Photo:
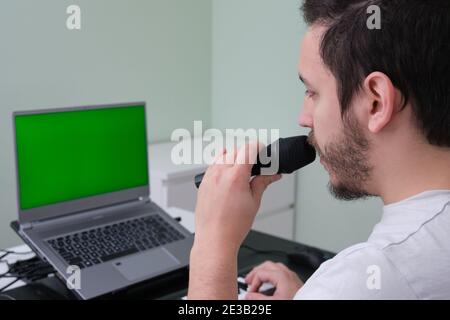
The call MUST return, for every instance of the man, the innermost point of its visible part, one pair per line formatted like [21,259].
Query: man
[378,106]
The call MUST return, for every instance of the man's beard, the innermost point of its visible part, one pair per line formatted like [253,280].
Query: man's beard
[347,160]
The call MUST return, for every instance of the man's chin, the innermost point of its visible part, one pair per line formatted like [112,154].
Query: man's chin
[334,178]
[346,193]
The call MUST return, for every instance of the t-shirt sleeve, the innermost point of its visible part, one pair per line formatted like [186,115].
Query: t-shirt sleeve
[362,272]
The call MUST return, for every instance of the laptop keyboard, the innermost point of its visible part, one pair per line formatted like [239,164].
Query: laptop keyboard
[98,245]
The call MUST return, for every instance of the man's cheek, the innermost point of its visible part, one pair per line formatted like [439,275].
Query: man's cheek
[321,134]
[328,126]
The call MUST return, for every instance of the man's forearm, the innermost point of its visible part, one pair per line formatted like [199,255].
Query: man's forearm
[213,272]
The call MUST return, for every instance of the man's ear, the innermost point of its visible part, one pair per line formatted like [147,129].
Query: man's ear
[382,96]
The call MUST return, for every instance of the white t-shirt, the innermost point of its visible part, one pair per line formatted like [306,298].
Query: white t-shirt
[407,256]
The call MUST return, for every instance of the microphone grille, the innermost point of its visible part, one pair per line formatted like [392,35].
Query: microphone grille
[295,153]
[292,153]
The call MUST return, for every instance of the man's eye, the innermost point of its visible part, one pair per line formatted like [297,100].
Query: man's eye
[310,93]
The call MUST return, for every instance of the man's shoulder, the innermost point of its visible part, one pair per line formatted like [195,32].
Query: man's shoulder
[417,267]
[423,257]
[400,229]
[407,260]
[360,258]
[362,271]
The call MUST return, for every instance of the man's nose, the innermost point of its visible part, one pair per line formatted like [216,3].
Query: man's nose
[305,118]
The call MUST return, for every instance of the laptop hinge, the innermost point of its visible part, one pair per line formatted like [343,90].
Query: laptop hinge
[26,225]
[145,199]
[31,225]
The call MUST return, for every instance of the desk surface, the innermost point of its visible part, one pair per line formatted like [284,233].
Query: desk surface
[174,285]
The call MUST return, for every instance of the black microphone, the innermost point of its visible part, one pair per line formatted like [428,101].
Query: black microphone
[292,153]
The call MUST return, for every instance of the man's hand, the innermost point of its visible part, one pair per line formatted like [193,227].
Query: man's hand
[227,203]
[286,282]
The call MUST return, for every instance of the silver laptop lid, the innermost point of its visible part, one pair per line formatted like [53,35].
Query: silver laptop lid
[80,158]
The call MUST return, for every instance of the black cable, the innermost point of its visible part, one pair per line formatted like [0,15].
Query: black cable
[27,270]
[8,297]
[32,270]
[39,273]
[274,252]
[7,268]
[8,285]
[28,276]
[24,266]
[8,252]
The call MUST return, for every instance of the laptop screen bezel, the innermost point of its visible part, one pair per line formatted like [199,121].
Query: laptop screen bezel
[87,203]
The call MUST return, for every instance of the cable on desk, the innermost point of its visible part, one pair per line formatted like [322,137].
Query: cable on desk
[310,257]
[7,268]
[8,285]
[14,252]
[8,297]
[27,270]
[7,253]
[8,265]
[31,269]
[274,252]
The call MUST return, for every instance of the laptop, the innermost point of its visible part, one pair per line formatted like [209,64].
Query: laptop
[83,198]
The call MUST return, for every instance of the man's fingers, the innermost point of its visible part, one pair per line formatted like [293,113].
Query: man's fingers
[255,284]
[220,157]
[260,183]
[271,276]
[231,155]
[267,265]
[247,157]
[257,296]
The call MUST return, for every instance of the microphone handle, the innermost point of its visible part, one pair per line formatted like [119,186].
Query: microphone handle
[293,153]
[199,177]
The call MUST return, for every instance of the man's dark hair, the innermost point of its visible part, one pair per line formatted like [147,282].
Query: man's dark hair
[412,48]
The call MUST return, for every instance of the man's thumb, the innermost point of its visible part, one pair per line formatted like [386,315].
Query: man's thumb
[260,183]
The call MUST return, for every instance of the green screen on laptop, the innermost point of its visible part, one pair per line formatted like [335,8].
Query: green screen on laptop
[63,156]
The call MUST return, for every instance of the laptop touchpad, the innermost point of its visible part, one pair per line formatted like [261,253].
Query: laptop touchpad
[146,264]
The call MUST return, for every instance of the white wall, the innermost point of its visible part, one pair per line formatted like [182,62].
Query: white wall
[255,52]
[255,85]
[162,51]
[152,50]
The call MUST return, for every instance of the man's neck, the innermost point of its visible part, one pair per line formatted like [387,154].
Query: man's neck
[411,172]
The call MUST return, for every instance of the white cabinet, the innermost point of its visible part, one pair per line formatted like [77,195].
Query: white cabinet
[279,224]
[172,185]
